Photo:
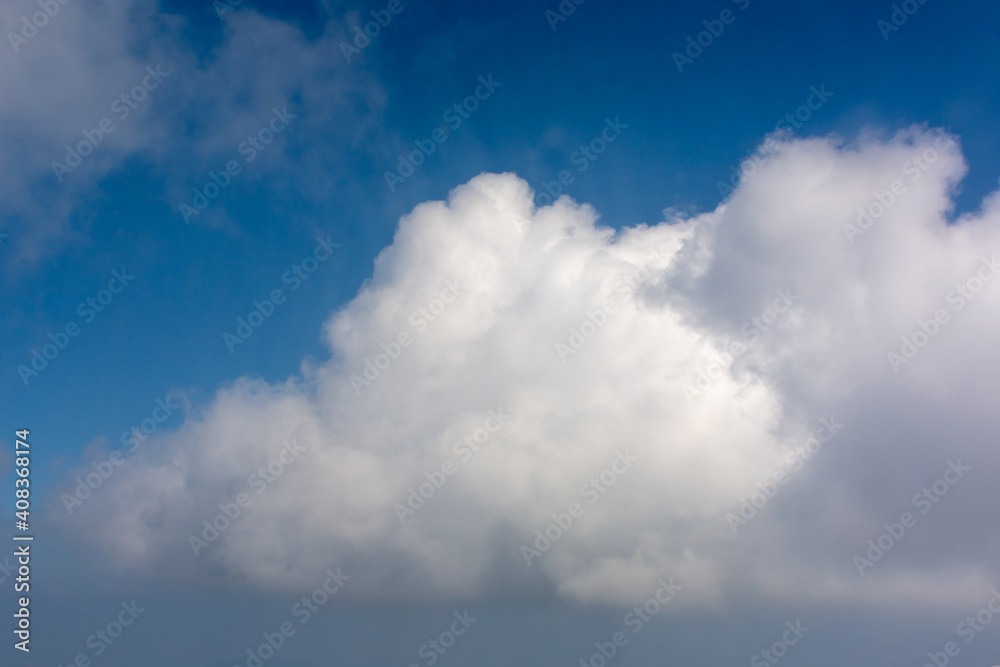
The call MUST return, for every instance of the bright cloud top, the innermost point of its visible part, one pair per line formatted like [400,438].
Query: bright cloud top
[520,401]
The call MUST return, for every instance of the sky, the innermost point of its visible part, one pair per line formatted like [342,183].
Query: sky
[531,333]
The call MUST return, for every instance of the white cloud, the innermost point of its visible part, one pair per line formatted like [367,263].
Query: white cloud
[526,277]
[67,78]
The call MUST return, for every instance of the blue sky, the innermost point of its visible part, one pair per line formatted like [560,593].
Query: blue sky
[343,125]
[686,131]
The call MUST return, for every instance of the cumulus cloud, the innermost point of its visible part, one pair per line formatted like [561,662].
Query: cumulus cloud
[508,362]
